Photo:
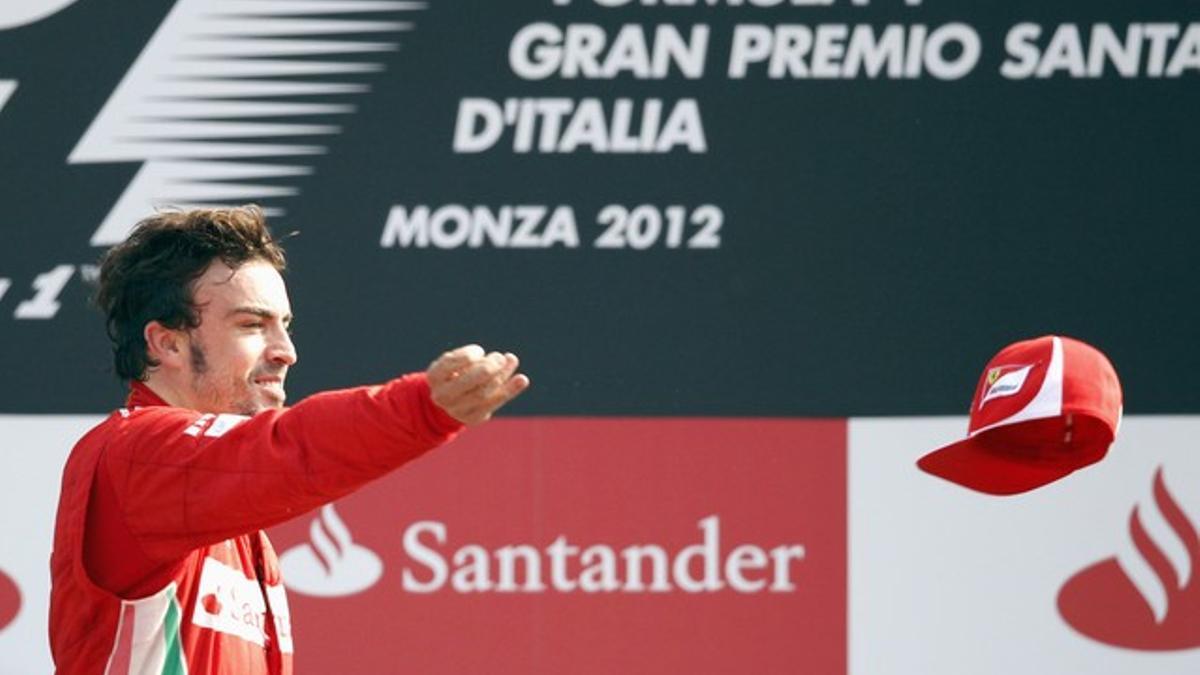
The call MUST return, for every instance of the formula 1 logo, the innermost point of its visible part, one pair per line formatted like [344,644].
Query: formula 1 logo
[1150,599]
[210,106]
[226,104]
[10,600]
[330,564]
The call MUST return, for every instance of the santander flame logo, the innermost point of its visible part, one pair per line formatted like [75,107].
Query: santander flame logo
[10,600]
[331,564]
[1150,598]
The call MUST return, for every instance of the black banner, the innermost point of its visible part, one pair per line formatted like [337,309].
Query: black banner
[800,208]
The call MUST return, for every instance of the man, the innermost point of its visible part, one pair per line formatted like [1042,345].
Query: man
[160,563]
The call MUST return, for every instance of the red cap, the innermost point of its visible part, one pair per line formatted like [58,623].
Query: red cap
[1042,409]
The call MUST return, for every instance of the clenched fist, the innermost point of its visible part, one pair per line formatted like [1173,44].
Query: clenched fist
[470,385]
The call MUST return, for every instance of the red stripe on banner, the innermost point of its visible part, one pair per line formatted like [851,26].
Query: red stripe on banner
[739,526]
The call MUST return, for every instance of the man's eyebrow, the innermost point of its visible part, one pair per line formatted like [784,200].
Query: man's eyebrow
[262,312]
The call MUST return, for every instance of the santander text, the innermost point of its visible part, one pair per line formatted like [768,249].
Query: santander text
[564,567]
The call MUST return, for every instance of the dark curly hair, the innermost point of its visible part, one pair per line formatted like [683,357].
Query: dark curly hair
[151,275]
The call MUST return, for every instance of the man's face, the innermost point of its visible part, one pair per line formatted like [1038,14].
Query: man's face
[240,353]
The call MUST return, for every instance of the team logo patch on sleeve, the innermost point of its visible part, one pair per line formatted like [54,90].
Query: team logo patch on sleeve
[214,426]
[223,423]
[199,425]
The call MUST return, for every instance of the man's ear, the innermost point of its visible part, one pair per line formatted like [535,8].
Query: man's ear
[165,346]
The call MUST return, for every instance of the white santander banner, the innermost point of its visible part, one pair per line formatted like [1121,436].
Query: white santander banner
[1096,573]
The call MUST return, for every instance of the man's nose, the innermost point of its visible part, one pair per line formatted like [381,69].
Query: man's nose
[282,351]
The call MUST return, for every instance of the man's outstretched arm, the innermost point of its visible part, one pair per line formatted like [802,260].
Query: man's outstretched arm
[181,480]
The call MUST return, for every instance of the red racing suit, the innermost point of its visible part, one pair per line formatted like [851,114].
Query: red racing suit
[160,564]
